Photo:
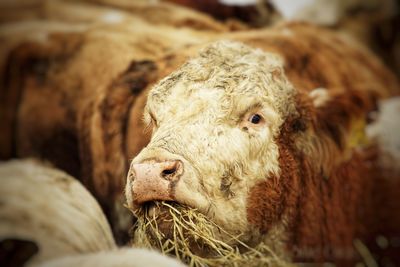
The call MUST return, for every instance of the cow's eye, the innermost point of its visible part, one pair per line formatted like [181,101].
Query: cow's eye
[255,118]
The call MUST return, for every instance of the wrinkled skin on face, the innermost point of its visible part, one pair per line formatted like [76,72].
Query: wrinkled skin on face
[219,115]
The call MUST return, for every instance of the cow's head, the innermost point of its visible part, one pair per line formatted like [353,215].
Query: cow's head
[214,123]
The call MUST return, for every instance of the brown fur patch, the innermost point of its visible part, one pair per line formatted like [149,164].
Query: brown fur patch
[269,199]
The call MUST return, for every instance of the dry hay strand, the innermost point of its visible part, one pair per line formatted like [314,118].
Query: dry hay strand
[191,237]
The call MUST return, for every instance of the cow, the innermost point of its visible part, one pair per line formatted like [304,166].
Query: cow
[74,95]
[264,134]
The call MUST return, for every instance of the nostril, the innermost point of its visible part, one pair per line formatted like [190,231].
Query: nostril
[168,171]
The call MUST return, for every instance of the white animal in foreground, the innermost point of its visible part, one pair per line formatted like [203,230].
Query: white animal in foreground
[51,209]
[50,219]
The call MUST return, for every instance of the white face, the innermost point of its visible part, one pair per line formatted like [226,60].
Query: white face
[219,115]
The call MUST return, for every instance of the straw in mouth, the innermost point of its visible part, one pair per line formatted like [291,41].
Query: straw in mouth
[190,236]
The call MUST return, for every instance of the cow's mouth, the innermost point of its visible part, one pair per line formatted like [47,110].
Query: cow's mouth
[164,224]
[157,214]
[189,235]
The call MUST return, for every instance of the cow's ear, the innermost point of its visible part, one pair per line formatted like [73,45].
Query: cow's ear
[343,114]
[348,103]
